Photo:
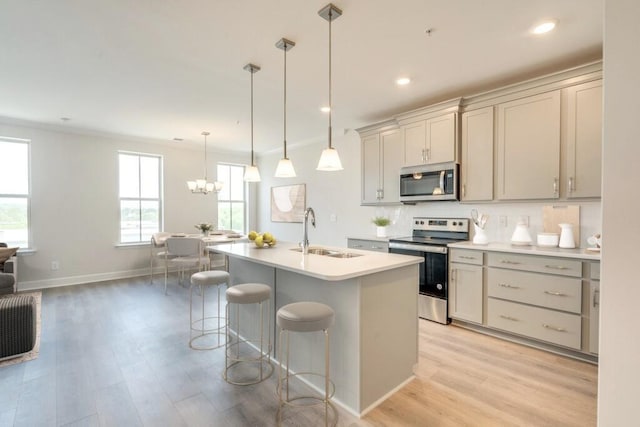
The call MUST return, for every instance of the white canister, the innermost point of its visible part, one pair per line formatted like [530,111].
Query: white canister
[567,240]
[480,236]
[381,231]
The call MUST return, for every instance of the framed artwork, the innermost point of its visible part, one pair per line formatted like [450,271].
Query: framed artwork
[288,203]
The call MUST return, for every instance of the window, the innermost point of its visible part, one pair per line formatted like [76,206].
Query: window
[140,196]
[14,192]
[231,199]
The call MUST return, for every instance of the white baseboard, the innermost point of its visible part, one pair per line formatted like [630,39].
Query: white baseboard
[80,280]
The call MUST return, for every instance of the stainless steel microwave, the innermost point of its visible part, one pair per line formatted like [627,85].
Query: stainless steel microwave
[433,182]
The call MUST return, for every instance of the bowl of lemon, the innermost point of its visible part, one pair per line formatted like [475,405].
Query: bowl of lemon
[262,240]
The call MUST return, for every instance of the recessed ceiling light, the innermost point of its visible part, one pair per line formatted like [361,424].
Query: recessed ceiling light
[403,81]
[65,119]
[178,139]
[544,27]
[325,109]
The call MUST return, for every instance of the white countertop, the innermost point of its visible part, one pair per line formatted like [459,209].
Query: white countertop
[529,250]
[318,266]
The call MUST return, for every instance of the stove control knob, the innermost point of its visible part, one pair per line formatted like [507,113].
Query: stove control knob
[455,223]
[439,286]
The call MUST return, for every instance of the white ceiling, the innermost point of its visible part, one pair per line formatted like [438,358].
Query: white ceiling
[172,68]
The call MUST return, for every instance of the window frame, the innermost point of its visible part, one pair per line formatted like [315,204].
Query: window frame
[159,199]
[245,195]
[26,196]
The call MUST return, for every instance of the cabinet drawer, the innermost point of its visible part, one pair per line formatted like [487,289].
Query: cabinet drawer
[466,256]
[560,293]
[369,245]
[539,323]
[540,264]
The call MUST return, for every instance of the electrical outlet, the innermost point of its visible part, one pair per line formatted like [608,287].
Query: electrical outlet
[333,218]
[55,265]
[524,219]
[503,220]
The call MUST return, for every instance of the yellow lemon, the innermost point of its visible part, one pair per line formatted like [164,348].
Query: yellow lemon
[252,235]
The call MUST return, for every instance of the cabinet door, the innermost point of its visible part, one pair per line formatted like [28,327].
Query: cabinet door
[465,292]
[414,137]
[392,156]
[441,139]
[371,169]
[584,140]
[529,147]
[477,155]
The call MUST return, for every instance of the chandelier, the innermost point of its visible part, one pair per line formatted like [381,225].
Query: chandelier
[202,186]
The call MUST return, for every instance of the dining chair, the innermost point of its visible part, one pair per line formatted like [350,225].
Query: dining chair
[184,253]
[157,250]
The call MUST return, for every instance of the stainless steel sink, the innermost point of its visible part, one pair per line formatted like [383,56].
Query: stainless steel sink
[344,255]
[316,251]
[327,252]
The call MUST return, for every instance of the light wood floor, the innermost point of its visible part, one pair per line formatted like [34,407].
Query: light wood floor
[116,354]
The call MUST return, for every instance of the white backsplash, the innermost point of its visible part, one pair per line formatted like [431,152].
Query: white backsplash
[401,217]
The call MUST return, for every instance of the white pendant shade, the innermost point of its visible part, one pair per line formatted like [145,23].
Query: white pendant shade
[285,169]
[251,174]
[329,161]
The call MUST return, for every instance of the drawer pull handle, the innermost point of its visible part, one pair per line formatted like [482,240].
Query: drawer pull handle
[376,247]
[557,294]
[506,261]
[596,298]
[513,319]
[557,267]
[506,285]
[553,328]
[467,257]
[356,246]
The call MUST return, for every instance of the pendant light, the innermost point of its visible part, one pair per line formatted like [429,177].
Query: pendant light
[285,167]
[202,186]
[251,172]
[329,160]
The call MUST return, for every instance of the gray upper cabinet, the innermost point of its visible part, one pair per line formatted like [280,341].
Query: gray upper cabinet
[528,147]
[430,141]
[382,157]
[583,133]
[477,155]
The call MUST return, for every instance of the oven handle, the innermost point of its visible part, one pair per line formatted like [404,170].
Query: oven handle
[419,248]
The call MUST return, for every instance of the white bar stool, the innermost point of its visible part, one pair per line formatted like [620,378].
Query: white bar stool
[305,317]
[205,279]
[244,294]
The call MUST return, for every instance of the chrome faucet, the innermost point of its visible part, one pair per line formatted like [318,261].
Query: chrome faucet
[305,236]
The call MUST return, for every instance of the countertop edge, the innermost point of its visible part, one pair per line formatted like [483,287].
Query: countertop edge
[227,249]
[529,250]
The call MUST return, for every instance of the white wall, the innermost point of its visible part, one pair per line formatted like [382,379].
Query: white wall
[338,193]
[75,208]
[619,373]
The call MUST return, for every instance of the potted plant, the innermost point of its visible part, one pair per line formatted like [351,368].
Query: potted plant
[381,223]
[205,228]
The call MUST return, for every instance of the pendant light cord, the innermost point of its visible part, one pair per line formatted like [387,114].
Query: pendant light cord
[330,104]
[252,162]
[285,100]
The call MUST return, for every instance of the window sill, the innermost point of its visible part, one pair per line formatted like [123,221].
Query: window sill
[132,245]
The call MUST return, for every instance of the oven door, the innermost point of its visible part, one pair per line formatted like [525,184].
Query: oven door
[435,282]
[433,271]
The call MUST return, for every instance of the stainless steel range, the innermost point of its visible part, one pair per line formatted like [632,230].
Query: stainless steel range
[429,239]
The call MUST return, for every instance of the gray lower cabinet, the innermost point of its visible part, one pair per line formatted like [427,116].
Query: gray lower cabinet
[543,299]
[465,285]
[368,245]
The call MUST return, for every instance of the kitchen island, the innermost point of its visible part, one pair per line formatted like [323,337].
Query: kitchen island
[374,342]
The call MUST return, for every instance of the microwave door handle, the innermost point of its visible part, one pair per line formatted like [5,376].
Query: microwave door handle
[442,180]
